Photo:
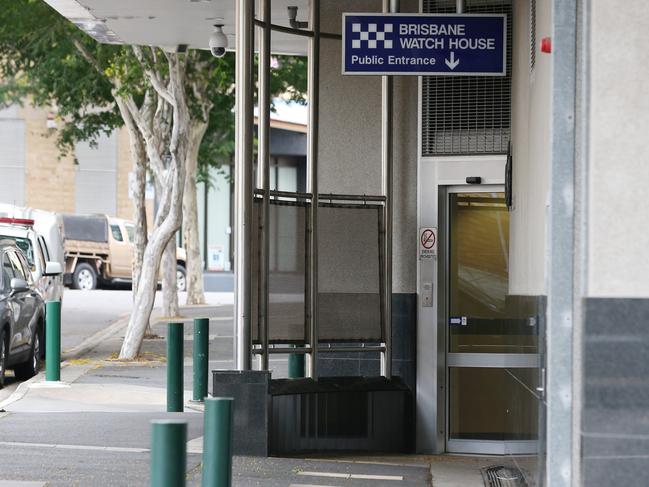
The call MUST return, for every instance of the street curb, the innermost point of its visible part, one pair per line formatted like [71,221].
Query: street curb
[21,390]
[92,341]
[86,346]
[116,327]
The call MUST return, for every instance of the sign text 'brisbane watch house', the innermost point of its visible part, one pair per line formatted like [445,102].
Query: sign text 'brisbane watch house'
[424,44]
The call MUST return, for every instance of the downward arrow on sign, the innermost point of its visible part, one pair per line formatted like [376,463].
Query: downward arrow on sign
[452,63]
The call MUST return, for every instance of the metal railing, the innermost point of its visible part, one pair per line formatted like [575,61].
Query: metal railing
[245,194]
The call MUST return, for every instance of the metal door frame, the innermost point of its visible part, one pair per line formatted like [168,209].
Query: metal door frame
[469,360]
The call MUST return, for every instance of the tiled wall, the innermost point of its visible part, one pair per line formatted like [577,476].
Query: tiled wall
[404,341]
[615,418]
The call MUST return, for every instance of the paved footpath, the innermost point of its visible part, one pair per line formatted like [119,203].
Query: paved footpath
[94,429]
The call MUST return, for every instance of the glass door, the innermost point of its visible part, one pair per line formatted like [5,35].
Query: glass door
[491,355]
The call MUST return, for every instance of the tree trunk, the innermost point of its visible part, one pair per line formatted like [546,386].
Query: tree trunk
[170,307]
[145,294]
[170,214]
[141,237]
[139,158]
[194,267]
[139,211]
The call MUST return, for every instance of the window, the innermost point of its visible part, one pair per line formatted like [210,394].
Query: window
[117,233]
[41,255]
[44,249]
[16,265]
[7,272]
[25,245]
[130,231]
[22,261]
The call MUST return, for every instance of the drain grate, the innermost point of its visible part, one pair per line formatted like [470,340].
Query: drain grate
[501,476]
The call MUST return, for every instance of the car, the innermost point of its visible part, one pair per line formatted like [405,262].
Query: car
[99,250]
[22,315]
[46,271]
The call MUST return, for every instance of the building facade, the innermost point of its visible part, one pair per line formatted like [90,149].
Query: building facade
[33,174]
[525,334]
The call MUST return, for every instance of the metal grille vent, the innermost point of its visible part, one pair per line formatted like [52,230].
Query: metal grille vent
[468,114]
[500,476]
[532,34]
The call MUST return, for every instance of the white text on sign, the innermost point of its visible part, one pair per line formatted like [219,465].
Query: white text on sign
[428,41]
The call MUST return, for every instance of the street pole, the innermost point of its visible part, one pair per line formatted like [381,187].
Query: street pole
[168,453]
[217,442]
[53,341]
[201,358]
[243,183]
[312,183]
[175,341]
[387,175]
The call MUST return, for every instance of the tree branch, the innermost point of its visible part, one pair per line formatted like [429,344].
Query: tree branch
[85,53]
[153,76]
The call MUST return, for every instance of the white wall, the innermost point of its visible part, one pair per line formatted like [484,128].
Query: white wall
[12,157]
[618,214]
[96,177]
[531,110]
[218,215]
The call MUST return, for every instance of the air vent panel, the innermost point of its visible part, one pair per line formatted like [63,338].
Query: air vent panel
[468,114]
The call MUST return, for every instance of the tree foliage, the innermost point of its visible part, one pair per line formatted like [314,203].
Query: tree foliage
[40,62]
[178,110]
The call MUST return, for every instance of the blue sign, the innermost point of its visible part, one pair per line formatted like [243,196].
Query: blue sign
[425,44]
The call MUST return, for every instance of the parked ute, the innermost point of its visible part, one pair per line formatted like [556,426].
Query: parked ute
[99,249]
[22,315]
[45,271]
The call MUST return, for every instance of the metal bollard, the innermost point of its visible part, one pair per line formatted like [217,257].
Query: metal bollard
[295,365]
[201,357]
[53,341]
[175,369]
[217,442]
[168,453]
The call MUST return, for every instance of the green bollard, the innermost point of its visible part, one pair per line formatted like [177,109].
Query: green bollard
[168,453]
[295,365]
[175,369]
[217,442]
[201,356]
[53,341]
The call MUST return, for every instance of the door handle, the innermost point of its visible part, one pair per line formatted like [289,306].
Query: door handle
[541,388]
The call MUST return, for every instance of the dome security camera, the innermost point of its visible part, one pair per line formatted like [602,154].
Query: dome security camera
[218,41]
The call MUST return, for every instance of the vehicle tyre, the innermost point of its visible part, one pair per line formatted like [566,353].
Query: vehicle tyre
[181,278]
[85,277]
[29,369]
[3,356]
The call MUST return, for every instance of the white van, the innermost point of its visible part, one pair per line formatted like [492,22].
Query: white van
[39,234]
[46,223]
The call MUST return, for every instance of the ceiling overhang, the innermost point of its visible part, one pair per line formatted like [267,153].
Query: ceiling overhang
[171,23]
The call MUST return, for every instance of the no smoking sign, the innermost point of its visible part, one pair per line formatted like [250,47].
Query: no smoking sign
[427,242]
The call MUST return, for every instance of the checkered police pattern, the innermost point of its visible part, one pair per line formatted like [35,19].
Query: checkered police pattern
[371,37]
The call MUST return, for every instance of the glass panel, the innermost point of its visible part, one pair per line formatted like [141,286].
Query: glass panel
[349,273]
[130,231]
[480,321]
[24,244]
[492,404]
[7,272]
[286,273]
[117,233]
